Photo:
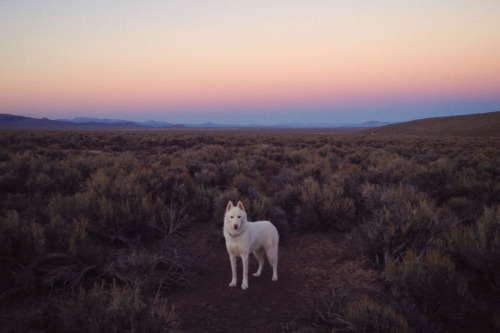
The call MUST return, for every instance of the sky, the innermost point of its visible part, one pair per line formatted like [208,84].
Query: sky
[249,62]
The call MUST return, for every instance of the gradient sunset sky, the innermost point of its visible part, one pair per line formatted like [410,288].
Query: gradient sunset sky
[244,62]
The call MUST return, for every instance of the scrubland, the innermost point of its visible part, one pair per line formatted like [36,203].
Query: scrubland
[89,218]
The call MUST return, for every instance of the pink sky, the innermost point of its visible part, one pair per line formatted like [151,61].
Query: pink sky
[288,60]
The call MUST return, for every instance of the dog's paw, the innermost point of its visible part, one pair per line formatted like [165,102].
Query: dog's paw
[275,278]
[257,274]
[244,286]
[232,284]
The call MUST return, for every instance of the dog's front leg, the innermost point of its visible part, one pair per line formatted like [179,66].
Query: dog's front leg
[244,259]
[234,279]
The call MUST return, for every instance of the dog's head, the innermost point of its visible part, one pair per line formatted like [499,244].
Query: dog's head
[235,217]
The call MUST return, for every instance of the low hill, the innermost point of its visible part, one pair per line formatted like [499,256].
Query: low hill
[480,125]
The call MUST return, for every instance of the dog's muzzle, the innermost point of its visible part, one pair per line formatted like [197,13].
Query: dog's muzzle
[235,226]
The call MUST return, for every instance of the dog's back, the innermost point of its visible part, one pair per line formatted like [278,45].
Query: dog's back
[264,234]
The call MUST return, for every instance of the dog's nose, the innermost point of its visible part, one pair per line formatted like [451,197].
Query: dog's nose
[235,226]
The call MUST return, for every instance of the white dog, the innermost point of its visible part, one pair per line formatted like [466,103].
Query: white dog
[243,237]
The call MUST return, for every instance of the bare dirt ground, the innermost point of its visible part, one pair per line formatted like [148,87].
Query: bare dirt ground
[309,265]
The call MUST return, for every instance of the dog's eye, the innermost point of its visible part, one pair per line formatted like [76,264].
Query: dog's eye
[239,217]
[232,217]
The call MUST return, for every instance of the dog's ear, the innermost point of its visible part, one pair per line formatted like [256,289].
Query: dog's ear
[229,206]
[240,206]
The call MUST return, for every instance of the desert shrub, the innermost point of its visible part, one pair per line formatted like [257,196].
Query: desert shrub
[177,184]
[116,206]
[336,205]
[311,193]
[162,317]
[158,272]
[214,153]
[173,218]
[478,248]
[17,175]
[429,285]
[114,308]
[325,206]
[401,218]
[464,208]
[295,157]
[365,315]
[353,178]
[207,175]
[203,208]
[327,307]
[245,185]
[238,165]
[287,199]
[473,184]
[392,169]
[67,236]
[59,270]
[343,311]
[21,241]
[317,168]
[434,178]
[260,209]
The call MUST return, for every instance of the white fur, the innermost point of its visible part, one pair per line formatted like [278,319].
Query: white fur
[243,237]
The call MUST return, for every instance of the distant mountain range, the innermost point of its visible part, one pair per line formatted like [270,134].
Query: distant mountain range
[8,121]
[479,125]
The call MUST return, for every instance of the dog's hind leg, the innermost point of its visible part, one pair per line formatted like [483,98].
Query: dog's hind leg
[259,254]
[244,259]
[272,255]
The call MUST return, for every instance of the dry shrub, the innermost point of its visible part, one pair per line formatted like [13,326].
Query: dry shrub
[478,248]
[158,272]
[60,270]
[69,237]
[429,286]
[287,199]
[203,207]
[177,184]
[340,310]
[434,178]
[115,308]
[326,308]
[401,218]
[244,184]
[325,206]
[392,169]
[115,205]
[207,175]
[20,240]
[173,218]
[463,207]
[261,209]
[366,315]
